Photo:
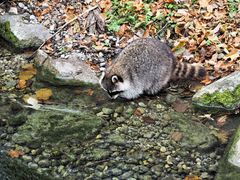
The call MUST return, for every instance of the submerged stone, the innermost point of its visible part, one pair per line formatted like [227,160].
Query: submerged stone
[61,71]
[56,127]
[20,33]
[223,94]
[14,169]
[194,134]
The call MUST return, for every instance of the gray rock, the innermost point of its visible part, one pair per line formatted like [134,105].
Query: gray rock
[116,172]
[107,111]
[71,71]
[13,10]
[55,126]
[126,175]
[116,139]
[44,163]
[222,94]
[27,158]
[21,34]
[229,167]
[195,135]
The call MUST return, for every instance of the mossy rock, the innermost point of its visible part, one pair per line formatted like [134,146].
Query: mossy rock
[223,94]
[15,169]
[55,127]
[195,134]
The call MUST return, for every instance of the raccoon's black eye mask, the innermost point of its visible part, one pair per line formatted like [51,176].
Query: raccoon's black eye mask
[114,93]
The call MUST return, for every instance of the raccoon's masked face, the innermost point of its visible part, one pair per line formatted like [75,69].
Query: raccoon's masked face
[113,84]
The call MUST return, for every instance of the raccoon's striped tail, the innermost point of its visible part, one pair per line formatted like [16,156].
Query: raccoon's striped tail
[188,71]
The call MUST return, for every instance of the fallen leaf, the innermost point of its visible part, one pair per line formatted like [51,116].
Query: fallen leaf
[123,28]
[27,72]
[192,177]
[222,120]
[90,92]
[222,136]
[148,120]
[43,94]
[176,136]
[207,80]
[138,112]
[179,46]
[233,55]
[105,5]
[22,84]
[15,153]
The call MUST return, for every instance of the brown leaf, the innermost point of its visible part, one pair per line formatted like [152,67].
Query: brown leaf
[176,136]
[122,30]
[207,80]
[22,84]
[90,92]
[222,120]
[234,54]
[192,177]
[15,153]
[43,94]
[223,136]
[105,5]
[148,120]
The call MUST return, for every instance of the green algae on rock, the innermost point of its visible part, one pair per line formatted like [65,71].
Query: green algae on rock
[56,127]
[14,169]
[223,94]
[22,35]
[195,135]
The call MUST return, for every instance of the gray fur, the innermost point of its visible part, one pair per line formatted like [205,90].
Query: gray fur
[145,66]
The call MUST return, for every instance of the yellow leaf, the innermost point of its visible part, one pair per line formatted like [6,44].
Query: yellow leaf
[22,84]
[234,54]
[28,71]
[43,94]
[15,153]
[179,46]
[192,177]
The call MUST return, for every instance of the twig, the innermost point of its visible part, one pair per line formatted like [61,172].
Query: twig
[61,28]
[163,28]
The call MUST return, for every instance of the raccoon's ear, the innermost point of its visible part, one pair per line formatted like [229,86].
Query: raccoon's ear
[114,79]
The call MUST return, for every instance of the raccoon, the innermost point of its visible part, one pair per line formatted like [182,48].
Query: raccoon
[145,66]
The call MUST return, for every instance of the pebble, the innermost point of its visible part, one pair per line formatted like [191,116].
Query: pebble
[126,175]
[27,158]
[32,165]
[116,171]
[21,5]
[141,104]
[13,10]
[107,111]
[163,149]
[204,175]
[44,163]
